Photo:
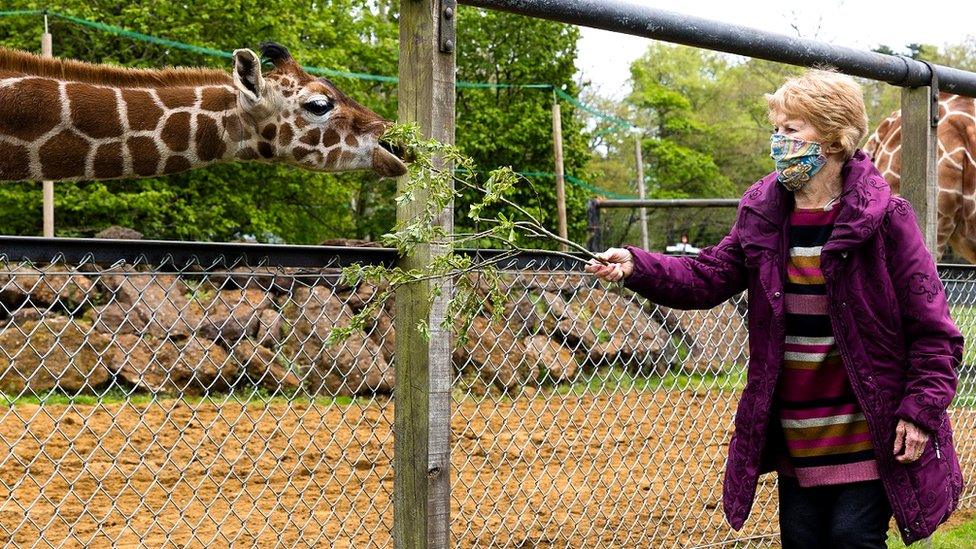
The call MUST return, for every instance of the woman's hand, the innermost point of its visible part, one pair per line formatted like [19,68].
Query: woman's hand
[619,265]
[912,439]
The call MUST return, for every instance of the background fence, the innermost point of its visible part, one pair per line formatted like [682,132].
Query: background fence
[184,395]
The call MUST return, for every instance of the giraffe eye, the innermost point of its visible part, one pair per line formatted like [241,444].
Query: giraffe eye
[318,107]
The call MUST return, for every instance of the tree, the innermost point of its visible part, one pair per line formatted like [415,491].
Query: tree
[228,201]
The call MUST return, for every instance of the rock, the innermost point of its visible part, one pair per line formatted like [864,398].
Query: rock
[116,318]
[26,314]
[53,353]
[159,299]
[495,351]
[25,286]
[717,339]
[259,366]
[195,366]
[550,358]
[229,315]
[119,233]
[608,329]
[355,366]
[269,328]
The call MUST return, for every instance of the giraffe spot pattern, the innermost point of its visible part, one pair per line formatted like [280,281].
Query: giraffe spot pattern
[269,132]
[63,156]
[301,152]
[312,137]
[14,162]
[285,135]
[265,149]
[145,155]
[176,132]
[330,137]
[217,99]
[175,164]
[88,113]
[108,161]
[142,112]
[30,108]
[209,144]
[174,98]
[352,141]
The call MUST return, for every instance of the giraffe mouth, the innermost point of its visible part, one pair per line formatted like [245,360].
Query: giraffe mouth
[388,160]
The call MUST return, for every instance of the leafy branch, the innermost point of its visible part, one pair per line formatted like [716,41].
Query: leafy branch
[436,174]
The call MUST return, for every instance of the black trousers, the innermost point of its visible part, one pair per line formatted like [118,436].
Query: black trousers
[841,516]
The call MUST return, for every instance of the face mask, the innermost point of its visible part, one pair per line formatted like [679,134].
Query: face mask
[796,160]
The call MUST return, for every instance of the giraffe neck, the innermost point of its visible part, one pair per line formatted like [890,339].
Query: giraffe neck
[57,130]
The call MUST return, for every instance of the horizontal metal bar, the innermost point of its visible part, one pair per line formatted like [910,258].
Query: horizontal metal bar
[628,18]
[670,203]
[212,255]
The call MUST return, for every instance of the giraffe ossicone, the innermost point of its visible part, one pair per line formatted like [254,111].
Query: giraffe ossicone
[68,120]
[955,168]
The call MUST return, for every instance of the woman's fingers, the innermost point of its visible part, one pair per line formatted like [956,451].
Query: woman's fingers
[910,438]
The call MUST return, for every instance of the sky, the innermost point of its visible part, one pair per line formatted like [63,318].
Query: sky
[605,57]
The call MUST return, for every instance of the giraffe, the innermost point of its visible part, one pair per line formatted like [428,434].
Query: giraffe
[956,169]
[64,120]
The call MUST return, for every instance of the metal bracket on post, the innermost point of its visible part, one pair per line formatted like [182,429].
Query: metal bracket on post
[447,30]
[933,94]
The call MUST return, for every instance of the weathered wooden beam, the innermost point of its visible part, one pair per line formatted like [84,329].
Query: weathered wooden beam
[641,188]
[557,148]
[422,397]
[47,50]
[919,183]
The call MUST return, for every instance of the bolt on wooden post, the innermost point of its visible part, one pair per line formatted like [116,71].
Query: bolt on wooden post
[422,395]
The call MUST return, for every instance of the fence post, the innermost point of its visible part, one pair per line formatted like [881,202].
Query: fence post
[47,50]
[919,182]
[639,138]
[557,148]
[424,371]
[595,241]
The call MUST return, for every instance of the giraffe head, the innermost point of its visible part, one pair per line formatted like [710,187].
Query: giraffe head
[291,116]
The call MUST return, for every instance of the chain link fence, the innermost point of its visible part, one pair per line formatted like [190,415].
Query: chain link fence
[186,396]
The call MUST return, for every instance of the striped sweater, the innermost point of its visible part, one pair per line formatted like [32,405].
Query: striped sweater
[826,435]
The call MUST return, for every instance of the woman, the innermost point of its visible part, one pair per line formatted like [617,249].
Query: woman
[853,354]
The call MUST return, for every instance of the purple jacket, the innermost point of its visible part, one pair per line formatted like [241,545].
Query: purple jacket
[891,323]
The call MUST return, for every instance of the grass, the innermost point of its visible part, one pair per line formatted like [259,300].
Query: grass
[959,537]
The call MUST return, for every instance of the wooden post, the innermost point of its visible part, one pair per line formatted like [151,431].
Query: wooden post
[557,147]
[47,50]
[424,370]
[919,184]
[642,191]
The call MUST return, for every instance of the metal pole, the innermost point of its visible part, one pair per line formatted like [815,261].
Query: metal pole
[645,243]
[47,50]
[670,203]
[649,22]
[424,369]
[557,147]
[919,183]
[595,242]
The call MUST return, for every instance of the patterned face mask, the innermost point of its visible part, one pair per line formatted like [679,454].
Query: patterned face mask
[796,160]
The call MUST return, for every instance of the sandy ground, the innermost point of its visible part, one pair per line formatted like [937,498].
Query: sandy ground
[634,469]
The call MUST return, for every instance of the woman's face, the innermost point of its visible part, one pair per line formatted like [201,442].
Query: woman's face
[800,129]
[795,127]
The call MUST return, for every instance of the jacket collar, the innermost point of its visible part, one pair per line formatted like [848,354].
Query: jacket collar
[765,208]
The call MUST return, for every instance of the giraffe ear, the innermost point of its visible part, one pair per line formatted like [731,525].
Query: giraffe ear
[247,74]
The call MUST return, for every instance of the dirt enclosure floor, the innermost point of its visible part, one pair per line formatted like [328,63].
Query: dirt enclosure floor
[624,469]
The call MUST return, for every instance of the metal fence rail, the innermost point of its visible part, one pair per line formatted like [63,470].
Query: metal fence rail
[195,403]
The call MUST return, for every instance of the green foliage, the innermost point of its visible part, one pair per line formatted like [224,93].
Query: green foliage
[280,203]
[512,126]
[223,202]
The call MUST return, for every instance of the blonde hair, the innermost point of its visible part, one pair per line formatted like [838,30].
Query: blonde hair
[831,102]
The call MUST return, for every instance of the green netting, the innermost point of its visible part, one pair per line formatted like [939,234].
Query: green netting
[619,124]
